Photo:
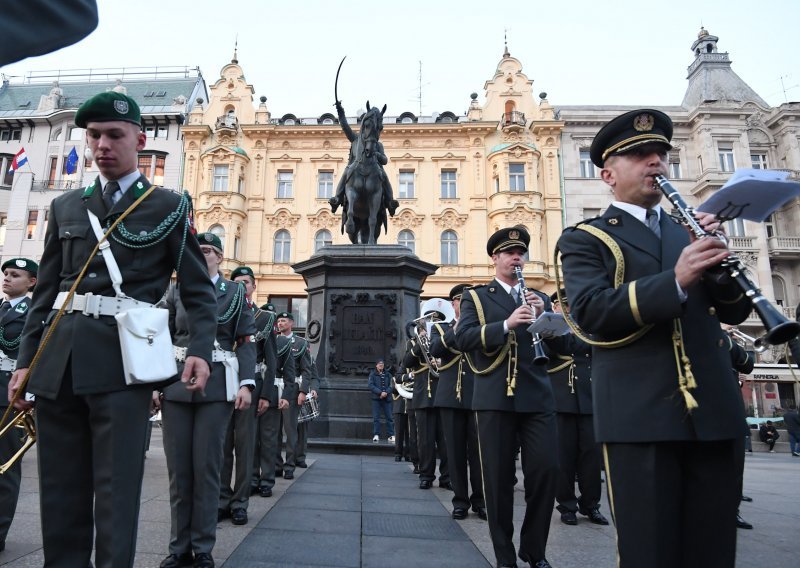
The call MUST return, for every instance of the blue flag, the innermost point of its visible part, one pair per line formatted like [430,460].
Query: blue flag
[72,161]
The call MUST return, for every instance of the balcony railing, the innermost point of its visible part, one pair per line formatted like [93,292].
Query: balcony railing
[784,246]
[54,185]
[742,243]
[513,118]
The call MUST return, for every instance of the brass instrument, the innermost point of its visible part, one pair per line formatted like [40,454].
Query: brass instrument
[759,345]
[779,328]
[405,388]
[428,318]
[23,420]
[539,356]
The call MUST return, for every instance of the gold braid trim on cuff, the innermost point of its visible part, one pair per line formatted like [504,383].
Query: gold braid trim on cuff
[637,317]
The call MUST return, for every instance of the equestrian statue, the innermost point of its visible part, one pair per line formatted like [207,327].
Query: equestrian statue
[364,191]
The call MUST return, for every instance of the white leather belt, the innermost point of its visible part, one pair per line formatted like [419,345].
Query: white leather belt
[260,368]
[217,355]
[96,306]
[299,380]
[7,364]
[279,383]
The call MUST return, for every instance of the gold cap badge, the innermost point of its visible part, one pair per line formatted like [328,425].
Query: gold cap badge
[643,122]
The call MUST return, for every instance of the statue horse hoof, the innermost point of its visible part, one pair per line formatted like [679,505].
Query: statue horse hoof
[392,207]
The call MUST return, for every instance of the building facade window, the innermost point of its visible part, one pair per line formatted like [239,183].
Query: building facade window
[406,186]
[591,212]
[156,131]
[285,185]
[725,153]
[151,166]
[6,175]
[76,133]
[10,134]
[295,305]
[55,135]
[735,227]
[240,186]
[771,225]
[220,181]
[516,177]
[449,184]
[674,166]
[449,248]
[3,225]
[324,184]
[218,230]
[236,249]
[321,239]
[406,238]
[587,167]
[758,161]
[282,252]
[52,172]
[33,218]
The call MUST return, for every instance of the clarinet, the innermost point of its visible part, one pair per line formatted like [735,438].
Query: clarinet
[539,357]
[779,328]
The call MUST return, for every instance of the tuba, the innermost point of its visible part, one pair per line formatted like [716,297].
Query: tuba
[405,388]
[431,309]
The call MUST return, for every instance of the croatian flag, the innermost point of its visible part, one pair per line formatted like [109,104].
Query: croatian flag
[19,160]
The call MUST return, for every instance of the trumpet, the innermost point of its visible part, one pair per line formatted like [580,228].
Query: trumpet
[429,316]
[759,344]
[24,420]
[779,328]
[539,356]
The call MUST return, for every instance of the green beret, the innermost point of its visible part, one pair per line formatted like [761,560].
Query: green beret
[286,315]
[456,291]
[107,107]
[22,264]
[242,271]
[210,239]
[511,237]
[628,131]
[269,307]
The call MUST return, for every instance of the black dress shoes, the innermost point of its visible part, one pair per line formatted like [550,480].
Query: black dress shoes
[446,485]
[288,475]
[543,563]
[459,513]
[416,469]
[569,518]
[203,560]
[741,523]
[223,514]
[481,511]
[507,565]
[397,458]
[747,499]
[265,491]
[595,517]
[239,517]
[278,473]
[301,464]
[425,484]
[177,560]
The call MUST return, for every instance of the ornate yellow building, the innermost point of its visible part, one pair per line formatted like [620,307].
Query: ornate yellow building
[263,183]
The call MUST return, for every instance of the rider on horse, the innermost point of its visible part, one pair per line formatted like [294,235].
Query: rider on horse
[388,197]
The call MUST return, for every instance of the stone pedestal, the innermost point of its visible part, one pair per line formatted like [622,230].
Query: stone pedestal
[359,300]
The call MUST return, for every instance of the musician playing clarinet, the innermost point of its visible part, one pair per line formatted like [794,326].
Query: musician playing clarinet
[512,399]
[665,408]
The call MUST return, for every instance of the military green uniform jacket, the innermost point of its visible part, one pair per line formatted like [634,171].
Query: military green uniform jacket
[235,332]
[486,345]
[266,350]
[455,376]
[636,388]
[287,370]
[301,353]
[10,331]
[89,345]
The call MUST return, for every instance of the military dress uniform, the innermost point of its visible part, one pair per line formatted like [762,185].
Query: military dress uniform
[430,438]
[240,442]
[91,426]
[195,423]
[454,401]
[514,404]
[12,319]
[288,416]
[270,432]
[402,448]
[266,365]
[570,373]
[666,409]
[301,351]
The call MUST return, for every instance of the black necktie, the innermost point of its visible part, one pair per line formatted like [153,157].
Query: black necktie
[515,295]
[108,191]
[652,222]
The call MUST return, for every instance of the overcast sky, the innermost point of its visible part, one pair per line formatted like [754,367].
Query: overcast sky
[578,51]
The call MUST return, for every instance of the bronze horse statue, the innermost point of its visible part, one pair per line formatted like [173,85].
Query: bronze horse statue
[364,189]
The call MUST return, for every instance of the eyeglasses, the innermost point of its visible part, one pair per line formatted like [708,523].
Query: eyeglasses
[207,250]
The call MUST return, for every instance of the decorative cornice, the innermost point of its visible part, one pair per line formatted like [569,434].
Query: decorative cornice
[282,219]
[449,219]
[323,220]
[407,219]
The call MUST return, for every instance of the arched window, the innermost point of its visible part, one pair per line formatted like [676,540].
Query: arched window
[283,247]
[218,230]
[406,238]
[779,290]
[321,239]
[449,248]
